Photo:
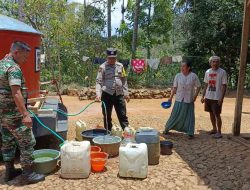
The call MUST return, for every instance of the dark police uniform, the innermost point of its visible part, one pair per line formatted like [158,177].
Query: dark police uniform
[112,86]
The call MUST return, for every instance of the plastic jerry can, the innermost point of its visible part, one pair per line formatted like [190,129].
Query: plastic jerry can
[151,137]
[133,160]
[75,159]
[80,127]
[128,136]
[117,131]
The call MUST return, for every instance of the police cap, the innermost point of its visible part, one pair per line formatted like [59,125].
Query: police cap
[111,52]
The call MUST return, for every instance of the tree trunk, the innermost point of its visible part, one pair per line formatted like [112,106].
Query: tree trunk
[135,31]
[109,22]
[21,14]
[148,30]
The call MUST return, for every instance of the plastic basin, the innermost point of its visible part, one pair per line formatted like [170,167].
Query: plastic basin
[98,161]
[45,160]
[95,149]
[166,105]
[108,144]
[89,135]
[166,147]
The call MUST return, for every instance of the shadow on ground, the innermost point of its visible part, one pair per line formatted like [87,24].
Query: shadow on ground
[219,163]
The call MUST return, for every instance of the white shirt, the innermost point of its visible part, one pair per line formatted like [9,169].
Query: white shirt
[215,79]
[186,87]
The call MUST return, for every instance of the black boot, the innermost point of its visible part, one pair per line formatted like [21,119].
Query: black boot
[31,177]
[11,171]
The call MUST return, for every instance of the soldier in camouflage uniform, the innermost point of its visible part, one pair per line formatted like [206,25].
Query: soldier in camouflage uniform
[16,124]
[112,88]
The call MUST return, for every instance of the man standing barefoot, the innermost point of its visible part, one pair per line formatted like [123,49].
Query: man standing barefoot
[213,94]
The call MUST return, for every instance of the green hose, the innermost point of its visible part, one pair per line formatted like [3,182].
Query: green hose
[78,113]
[74,114]
[66,114]
[40,122]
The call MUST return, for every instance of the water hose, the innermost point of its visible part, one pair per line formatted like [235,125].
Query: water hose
[66,114]
[82,110]
[74,114]
[41,123]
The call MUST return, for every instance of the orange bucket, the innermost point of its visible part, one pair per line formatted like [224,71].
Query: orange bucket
[98,161]
[95,149]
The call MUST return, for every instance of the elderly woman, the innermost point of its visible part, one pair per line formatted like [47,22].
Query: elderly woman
[186,87]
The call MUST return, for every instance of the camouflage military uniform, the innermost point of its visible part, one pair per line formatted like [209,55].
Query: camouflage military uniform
[14,133]
[111,86]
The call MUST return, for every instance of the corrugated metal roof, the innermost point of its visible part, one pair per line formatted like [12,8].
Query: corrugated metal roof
[8,23]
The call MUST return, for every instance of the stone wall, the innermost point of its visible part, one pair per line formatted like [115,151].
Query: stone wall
[89,93]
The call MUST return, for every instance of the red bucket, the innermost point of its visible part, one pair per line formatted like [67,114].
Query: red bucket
[98,161]
[95,149]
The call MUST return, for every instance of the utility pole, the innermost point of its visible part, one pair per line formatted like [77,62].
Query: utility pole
[242,71]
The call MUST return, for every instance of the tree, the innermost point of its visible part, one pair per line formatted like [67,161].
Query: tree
[155,23]
[135,29]
[109,20]
[21,14]
[214,27]
[109,23]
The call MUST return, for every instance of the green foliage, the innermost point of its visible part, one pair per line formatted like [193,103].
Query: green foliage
[162,77]
[214,27]
[195,28]
[155,24]
[70,31]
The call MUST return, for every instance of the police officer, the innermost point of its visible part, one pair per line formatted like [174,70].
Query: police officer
[16,124]
[112,88]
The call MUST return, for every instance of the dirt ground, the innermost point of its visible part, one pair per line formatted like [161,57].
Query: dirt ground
[201,163]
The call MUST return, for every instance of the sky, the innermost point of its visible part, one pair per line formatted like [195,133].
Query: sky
[116,15]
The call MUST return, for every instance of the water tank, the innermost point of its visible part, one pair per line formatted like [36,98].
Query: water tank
[13,30]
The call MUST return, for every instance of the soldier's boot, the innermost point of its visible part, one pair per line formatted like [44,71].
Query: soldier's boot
[11,171]
[30,176]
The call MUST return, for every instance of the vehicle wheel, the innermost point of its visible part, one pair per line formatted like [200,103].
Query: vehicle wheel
[50,141]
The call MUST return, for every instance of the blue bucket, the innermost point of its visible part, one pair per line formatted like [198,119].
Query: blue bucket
[166,105]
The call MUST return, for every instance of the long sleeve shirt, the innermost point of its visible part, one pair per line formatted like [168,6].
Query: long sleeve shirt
[112,79]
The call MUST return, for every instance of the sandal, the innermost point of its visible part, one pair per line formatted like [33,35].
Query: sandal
[190,137]
[217,136]
[212,132]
